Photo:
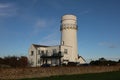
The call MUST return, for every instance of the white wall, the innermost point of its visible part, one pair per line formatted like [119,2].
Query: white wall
[69,35]
[32,58]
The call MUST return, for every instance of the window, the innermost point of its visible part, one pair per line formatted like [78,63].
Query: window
[32,53]
[54,51]
[42,51]
[65,51]
[38,61]
[46,51]
[38,52]
[62,42]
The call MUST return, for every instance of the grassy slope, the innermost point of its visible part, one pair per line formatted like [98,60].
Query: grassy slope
[93,76]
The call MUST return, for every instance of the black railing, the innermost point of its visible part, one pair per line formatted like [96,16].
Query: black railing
[54,55]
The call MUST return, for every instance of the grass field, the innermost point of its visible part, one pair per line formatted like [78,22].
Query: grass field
[92,76]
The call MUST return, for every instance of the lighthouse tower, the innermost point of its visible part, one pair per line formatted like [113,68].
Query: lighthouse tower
[69,35]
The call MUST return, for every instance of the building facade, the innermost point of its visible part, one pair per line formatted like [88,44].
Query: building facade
[66,52]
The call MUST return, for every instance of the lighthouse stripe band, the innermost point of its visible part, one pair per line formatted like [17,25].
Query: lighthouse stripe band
[68,26]
[68,19]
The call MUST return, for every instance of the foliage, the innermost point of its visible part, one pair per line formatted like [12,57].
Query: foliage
[14,61]
[72,64]
[103,62]
[119,61]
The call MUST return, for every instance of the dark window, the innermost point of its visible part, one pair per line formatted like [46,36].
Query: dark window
[32,53]
[65,51]
[42,51]
[38,61]
[54,51]
[46,51]
[38,52]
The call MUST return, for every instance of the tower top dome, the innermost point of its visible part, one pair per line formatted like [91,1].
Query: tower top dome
[69,17]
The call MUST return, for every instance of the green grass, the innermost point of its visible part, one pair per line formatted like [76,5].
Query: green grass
[92,76]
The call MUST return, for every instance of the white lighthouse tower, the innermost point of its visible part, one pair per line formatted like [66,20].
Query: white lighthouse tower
[69,35]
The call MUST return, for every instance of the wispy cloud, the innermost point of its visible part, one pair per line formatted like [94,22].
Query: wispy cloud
[107,44]
[42,26]
[85,12]
[7,9]
[50,39]
[4,5]
[42,23]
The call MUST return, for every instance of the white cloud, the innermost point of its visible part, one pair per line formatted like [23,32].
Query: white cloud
[52,35]
[7,9]
[51,39]
[40,24]
[107,44]
[85,12]
[4,5]
[50,42]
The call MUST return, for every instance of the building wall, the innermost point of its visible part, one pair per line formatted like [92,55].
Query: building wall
[39,53]
[53,50]
[35,59]
[32,57]
[66,56]
[81,60]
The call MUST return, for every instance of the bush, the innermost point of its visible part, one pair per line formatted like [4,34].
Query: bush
[45,65]
[72,64]
[103,62]
[13,61]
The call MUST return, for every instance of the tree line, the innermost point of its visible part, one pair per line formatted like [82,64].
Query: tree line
[104,62]
[14,61]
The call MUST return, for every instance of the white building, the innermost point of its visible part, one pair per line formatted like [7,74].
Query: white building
[66,52]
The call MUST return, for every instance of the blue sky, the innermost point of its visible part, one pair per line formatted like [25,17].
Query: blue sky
[23,22]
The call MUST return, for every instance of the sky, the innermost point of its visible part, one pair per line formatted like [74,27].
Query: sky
[24,22]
